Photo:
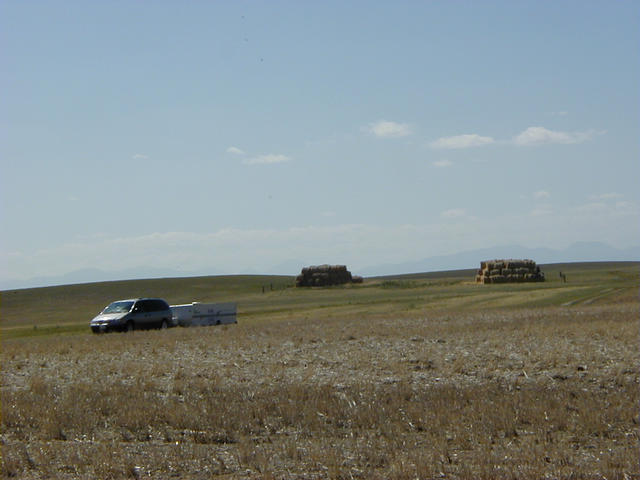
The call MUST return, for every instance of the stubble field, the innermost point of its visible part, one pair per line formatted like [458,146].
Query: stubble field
[414,377]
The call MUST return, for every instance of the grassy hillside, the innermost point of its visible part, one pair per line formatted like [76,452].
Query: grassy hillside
[74,305]
[64,309]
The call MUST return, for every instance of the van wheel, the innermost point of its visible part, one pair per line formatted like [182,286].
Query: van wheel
[129,327]
[164,325]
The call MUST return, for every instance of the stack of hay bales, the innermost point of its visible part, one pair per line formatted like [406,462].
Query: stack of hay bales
[509,271]
[325,275]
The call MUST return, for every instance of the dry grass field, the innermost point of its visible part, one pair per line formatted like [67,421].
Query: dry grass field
[416,377]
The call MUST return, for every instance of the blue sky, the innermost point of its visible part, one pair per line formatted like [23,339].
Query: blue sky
[235,136]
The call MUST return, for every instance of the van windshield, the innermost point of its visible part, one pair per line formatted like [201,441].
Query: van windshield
[118,307]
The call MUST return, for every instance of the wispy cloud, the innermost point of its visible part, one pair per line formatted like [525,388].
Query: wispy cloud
[462,141]
[231,250]
[385,129]
[267,159]
[235,151]
[542,136]
[542,211]
[530,137]
[140,156]
[606,196]
[442,163]
[624,205]
[560,113]
[591,208]
[540,194]
[454,213]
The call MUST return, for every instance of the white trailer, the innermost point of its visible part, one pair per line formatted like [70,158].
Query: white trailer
[199,314]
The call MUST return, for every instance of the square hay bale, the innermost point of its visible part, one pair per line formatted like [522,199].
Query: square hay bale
[513,271]
[324,275]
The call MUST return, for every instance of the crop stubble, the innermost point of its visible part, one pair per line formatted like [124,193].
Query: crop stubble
[525,393]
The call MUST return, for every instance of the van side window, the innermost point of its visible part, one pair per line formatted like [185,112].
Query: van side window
[143,306]
[161,305]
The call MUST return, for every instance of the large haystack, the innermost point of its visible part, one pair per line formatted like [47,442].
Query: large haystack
[325,275]
[509,271]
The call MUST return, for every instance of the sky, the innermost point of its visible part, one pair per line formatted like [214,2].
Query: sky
[231,137]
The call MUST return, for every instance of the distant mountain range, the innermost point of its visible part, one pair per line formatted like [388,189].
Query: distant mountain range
[88,275]
[578,252]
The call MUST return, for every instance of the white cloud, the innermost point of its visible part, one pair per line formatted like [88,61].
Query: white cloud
[442,163]
[235,151]
[592,208]
[624,209]
[462,141]
[385,129]
[529,137]
[140,156]
[541,194]
[542,136]
[267,159]
[542,210]
[606,196]
[233,250]
[561,113]
[454,213]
